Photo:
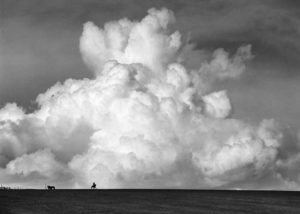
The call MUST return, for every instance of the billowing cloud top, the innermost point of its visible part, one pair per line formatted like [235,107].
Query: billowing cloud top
[146,120]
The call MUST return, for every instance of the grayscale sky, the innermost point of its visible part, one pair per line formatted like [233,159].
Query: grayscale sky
[40,46]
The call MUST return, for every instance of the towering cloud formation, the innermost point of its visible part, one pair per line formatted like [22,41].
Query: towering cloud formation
[146,120]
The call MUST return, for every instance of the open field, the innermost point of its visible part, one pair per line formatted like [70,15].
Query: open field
[148,201]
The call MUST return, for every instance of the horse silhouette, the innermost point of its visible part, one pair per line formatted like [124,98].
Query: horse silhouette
[93,185]
[50,187]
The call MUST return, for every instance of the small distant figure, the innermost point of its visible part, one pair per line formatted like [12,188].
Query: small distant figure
[50,187]
[93,185]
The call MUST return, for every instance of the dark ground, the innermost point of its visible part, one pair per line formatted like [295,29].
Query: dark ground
[148,201]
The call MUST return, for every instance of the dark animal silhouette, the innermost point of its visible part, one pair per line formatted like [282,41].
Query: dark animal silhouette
[51,187]
[93,185]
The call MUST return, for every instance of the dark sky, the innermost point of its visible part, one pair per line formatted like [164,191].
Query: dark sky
[39,45]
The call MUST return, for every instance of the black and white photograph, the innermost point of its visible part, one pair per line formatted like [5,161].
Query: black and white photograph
[149,106]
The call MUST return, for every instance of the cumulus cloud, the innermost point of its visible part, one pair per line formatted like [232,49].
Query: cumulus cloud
[146,120]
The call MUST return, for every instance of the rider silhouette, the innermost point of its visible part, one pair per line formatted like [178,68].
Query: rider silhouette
[93,185]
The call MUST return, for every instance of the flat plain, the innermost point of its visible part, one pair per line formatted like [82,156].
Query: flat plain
[148,201]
